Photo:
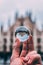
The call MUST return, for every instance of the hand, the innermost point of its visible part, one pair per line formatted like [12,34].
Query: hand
[16,48]
[27,53]
[17,61]
[32,58]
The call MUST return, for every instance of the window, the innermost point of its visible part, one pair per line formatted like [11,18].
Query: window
[38,48]
[31,33]
[12,33]
[5,40]
[11,40]
[11,48]
[21,23]
[4,46]
[38,40]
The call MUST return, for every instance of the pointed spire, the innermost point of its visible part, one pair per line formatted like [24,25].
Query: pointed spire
[30,14]
[42,26]
[16,15]
[2,27]
[27,13]
[9,22]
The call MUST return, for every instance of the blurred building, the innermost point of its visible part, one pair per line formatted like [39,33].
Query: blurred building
[7,39]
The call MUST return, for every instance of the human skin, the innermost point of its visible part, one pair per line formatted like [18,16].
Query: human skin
[26,56]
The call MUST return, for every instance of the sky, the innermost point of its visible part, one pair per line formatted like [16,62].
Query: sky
[9,7]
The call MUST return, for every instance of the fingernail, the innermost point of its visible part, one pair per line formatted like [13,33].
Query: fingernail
[29,62]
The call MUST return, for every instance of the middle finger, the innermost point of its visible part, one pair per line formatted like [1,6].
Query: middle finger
[24,49]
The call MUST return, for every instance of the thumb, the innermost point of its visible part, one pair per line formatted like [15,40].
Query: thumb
[28,56]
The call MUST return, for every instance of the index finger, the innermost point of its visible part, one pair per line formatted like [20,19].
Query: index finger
[16,50]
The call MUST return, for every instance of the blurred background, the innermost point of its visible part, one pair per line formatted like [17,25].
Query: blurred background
[14,13]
